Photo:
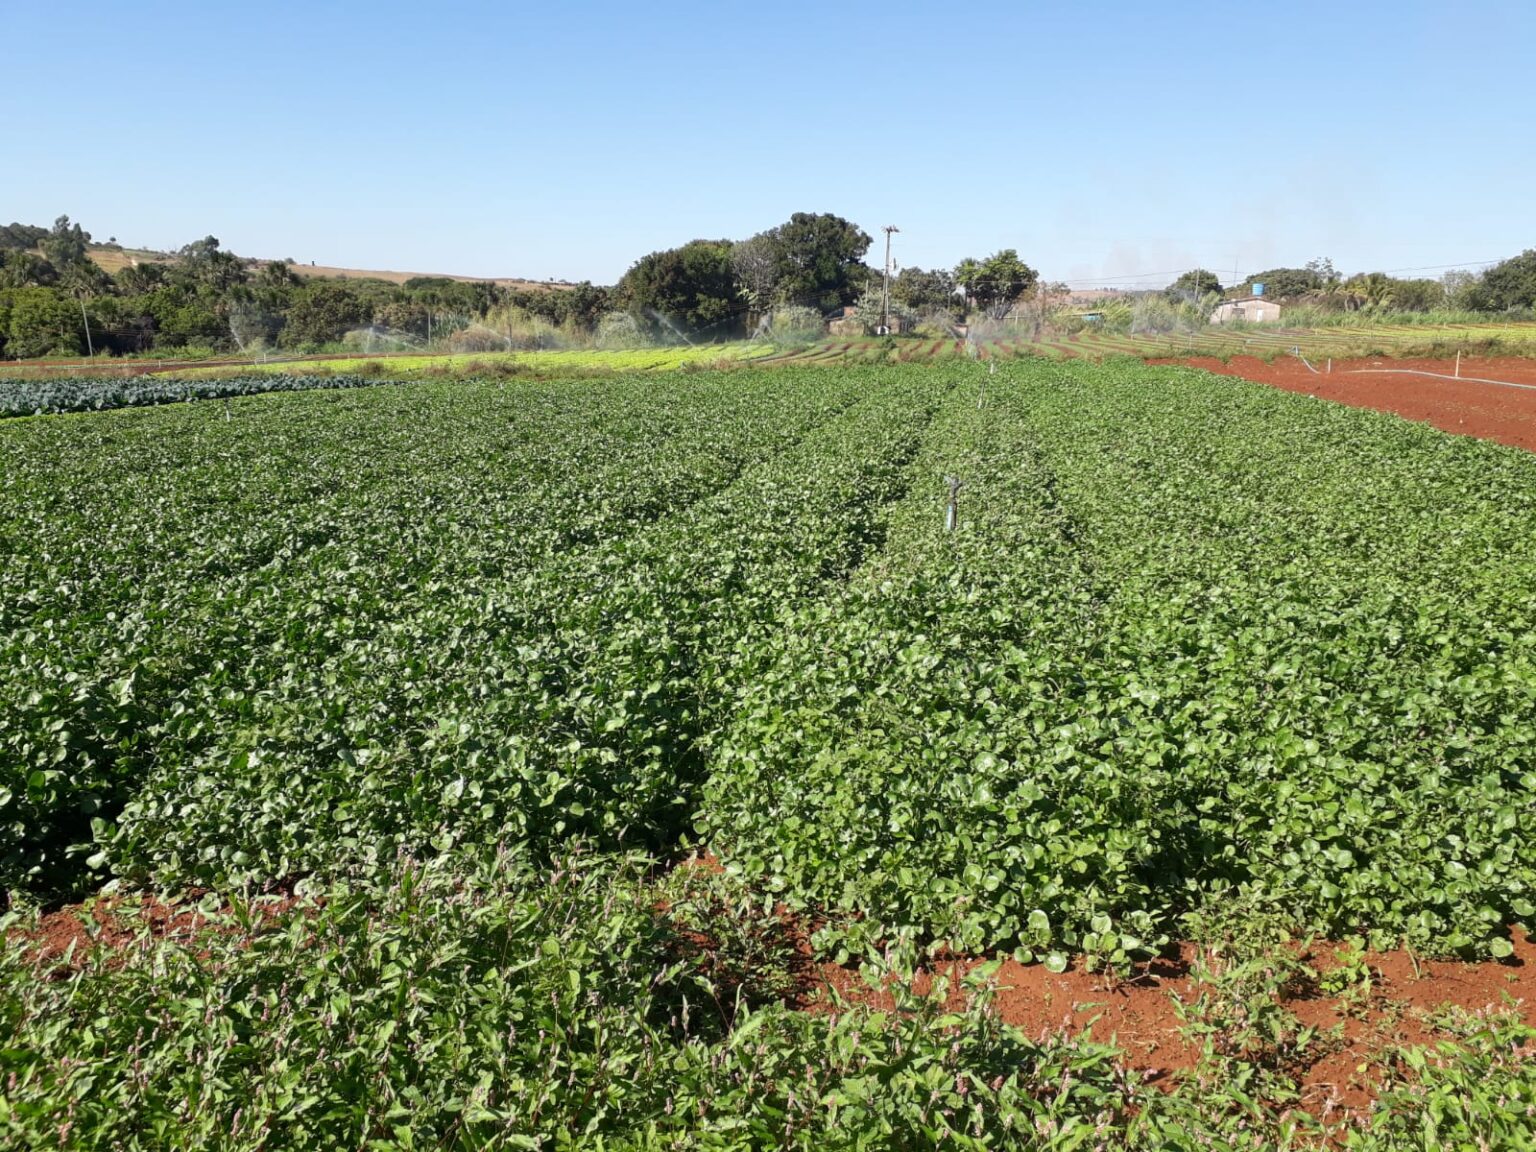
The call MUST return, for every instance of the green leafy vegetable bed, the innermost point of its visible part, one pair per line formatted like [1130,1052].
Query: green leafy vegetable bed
[475,661]
[1191,637]
[82,394]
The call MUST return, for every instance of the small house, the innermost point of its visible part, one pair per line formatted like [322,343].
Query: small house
[845,322]
[1254,309]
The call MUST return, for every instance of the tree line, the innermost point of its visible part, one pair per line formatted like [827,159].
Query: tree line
[1507,287]
[55,299]
[811,263]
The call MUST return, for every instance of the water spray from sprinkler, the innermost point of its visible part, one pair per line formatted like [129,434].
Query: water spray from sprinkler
[657,316]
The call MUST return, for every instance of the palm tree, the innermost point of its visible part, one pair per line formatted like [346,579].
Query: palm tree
[1370,292]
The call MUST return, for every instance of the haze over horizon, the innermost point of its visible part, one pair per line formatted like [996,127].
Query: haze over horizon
[1121,145]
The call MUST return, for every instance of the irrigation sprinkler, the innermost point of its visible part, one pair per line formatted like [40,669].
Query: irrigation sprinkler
[952,505]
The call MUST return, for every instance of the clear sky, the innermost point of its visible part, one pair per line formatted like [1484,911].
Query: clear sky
[1102,140]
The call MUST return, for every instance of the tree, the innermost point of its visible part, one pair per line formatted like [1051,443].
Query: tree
[1462,289]
[179,315]
[1322,267]
[927,292]
[1418,295]
[1194,285]
[21,236]
[1510,284]
[19,269]
[210,266]
[1286,283]
[1369,291]
[43,322]
[870,310]
[994,284]
[278,275]
[756,263]
[139,279]
[819,261]
[693,288]
[323,312]
[65,246]
[584,305]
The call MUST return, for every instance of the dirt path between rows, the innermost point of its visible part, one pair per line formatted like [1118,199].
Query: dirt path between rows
[1464,406]
[1389,1000]
[1395,1000]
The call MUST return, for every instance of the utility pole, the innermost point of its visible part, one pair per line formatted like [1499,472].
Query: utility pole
[90,349]
[885,291]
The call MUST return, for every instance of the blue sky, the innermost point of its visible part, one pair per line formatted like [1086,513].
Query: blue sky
[1104,141]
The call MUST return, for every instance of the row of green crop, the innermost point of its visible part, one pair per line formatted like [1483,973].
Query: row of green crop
[51,396]
[494,614]
[1329,617]
[1193,638]
[592,1007]
[569,701]
[550,362]
[178,586]
[917,752]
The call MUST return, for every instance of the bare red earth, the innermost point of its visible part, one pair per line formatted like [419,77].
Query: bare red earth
[1489,411]
[66,939]
[1140,1013]
[1337,1079]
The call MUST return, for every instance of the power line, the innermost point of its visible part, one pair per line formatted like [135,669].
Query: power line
[1437,267]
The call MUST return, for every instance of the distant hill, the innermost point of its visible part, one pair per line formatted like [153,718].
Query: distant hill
[113,257]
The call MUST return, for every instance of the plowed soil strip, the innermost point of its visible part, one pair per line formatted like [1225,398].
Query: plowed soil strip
[1465,406]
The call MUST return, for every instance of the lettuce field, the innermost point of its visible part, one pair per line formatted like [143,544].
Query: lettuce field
[474,664]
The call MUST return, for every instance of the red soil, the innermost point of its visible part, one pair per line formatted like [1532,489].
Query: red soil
[1140,1014]
[66,939]
[1335,1073]
[1464,406]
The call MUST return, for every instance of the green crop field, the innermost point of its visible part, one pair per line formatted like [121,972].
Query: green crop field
[551,362]
[1352,340]
[466,668]
[1517,339]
